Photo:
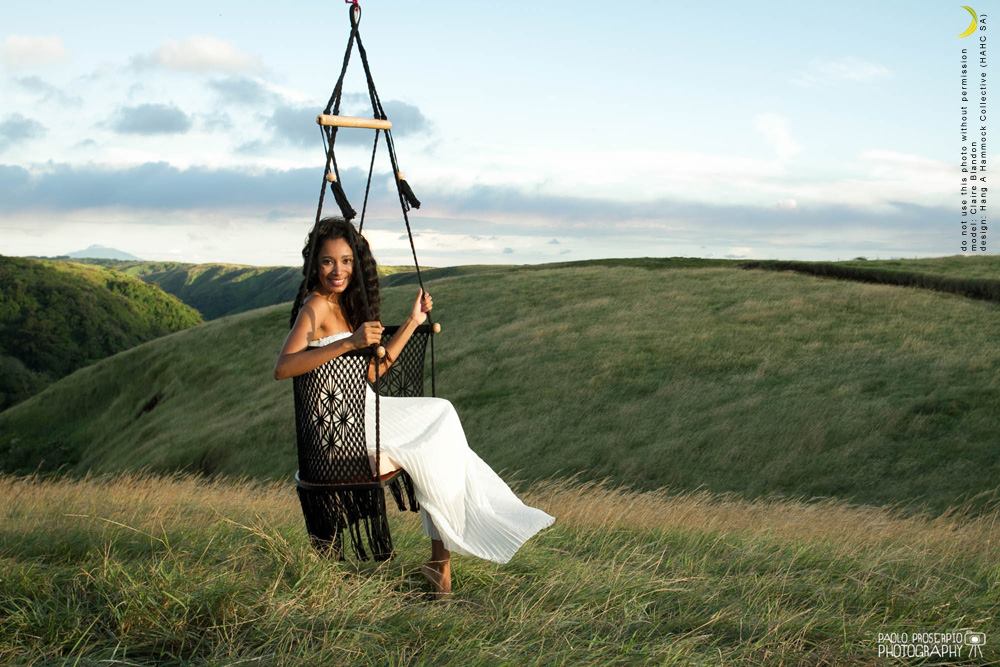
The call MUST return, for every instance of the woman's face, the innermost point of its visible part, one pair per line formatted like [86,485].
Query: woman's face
[336,263]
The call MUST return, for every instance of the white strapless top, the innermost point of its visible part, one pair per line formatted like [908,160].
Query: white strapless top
[326,340]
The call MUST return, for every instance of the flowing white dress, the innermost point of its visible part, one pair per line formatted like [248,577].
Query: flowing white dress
[463,502]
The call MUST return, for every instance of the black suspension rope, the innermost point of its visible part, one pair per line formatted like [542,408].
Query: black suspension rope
[403,191]
[367,307]
[346,210]
[311,261]
[380,113]
[368,185]
[330,132]
[404,204]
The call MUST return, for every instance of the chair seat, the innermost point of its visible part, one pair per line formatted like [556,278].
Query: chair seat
[348,484]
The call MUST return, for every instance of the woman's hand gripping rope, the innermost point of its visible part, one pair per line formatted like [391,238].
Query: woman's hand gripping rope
[421,306]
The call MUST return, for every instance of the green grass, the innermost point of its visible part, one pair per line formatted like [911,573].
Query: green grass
[755,382]
[180,570]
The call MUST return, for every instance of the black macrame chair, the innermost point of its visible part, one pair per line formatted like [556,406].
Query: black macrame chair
[335,482]
[406,375]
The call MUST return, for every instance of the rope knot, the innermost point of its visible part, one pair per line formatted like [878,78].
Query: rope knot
[354,11]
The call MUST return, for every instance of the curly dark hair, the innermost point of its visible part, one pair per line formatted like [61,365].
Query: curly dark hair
[352,300]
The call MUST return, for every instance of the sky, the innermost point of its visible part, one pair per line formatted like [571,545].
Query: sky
[531,132]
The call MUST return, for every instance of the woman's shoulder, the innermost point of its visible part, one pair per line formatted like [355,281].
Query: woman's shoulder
[315,302]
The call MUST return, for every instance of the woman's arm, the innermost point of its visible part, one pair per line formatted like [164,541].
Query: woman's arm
[290,364]
[393,348]
[418,315]
[296,357]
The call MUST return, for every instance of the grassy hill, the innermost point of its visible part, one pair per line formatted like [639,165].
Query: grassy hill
[957,266]
[216,290]
[975,277]
[756,382]
[142,570]
[57,316]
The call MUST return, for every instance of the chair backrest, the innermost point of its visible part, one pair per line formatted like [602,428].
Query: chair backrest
[330,421]
[406,375]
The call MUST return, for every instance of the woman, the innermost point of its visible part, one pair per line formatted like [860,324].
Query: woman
[464,506]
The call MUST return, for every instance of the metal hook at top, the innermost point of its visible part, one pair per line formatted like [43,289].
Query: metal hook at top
[355,12]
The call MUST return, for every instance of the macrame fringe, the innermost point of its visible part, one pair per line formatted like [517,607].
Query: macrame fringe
[397,491]
[329,511]
[345,206]
[408,195]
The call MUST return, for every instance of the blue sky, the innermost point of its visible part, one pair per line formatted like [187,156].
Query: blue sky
[532,132]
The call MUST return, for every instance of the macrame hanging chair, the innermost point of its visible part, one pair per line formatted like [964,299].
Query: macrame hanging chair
[336,484]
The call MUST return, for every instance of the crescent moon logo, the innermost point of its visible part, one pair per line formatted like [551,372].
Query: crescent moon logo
[972,26]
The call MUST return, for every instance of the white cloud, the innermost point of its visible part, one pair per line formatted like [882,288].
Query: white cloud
[200,54]
[881,179]
[849,68]
[621,174]
[886,161]
[875,180]
[775,130]
[24,51]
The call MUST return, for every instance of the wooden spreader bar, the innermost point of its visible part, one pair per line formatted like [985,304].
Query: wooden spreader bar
[353,121]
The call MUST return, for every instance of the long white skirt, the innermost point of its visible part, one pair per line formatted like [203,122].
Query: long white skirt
[463,502]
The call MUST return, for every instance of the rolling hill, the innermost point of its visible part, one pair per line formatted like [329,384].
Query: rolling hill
[216,290]
[57,316]
[756,382]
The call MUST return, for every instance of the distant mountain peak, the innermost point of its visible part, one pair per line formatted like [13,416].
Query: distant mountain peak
[101,252]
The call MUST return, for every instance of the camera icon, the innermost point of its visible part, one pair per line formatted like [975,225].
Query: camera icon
[975,638]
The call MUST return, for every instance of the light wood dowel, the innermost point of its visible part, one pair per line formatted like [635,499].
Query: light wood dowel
[353,121]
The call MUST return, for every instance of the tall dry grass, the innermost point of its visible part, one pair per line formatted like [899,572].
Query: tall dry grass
[140,569]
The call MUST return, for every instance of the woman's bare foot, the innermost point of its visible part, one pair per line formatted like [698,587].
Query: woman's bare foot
[438,569]
[438,573]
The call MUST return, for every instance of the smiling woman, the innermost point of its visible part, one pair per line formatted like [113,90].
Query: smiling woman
[352,441]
